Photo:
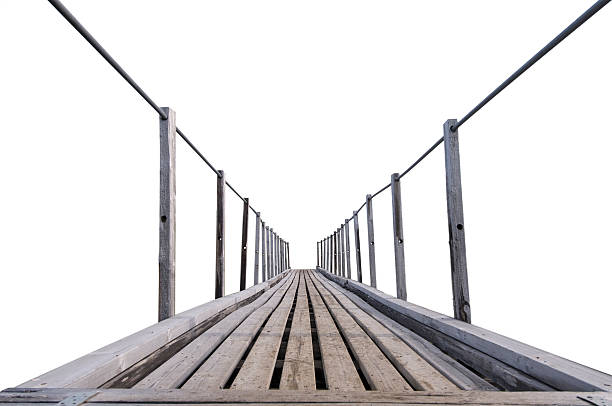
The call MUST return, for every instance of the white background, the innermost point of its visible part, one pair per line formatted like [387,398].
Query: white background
[307,106]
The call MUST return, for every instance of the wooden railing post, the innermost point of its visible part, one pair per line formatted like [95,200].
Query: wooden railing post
[244,248]
[371,241]
[220,241]
[282,254]
[167,212]
[269,264]
[335,243]
[288,257]
[398,237]
[318,254]
[342,251]
[357,246]
[272,253]
[263,250]
[330,260]
[348,248]
[456,232]
[276,264]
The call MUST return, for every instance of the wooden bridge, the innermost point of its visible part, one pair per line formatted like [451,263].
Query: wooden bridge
[314,336]
[309,337]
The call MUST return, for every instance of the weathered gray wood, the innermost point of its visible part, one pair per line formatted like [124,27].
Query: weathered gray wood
[215,371]
[176,370]
[269,250]
[379,372]
[342,250]
[372,251]
[97,368]
[418,372]
[456,229]
[288,257]
[449,367]
[298,366]
[244,245]
[357,246]
[551,370]
[167,214]
[340,372]
[256,371]
[220,240]
[318,253]
[257,230]
[398,237]
[348,249]
[307,398]
[336,267]
[264,269]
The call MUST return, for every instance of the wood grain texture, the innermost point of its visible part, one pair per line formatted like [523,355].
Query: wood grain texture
[256,371]
[551,370]
[215,371]
[417,371]
[174,372]
[244,245]
[371,249]
[256,261]
[340,372]
[220,238]
[298,368]
[398,237]
[167,215]
[456,225]
[379,372]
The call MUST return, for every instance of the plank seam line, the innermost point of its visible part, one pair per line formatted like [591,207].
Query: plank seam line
[221,343]
[361,374]
[314,336]
[277,373]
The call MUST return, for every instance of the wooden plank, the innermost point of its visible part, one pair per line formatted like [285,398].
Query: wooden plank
[257,369]
[340,372]
[417,371]
[456,225]
[371,249]
[256,267]
[298,368]
[220,240]
[244,245]
[398,237]
[96,368]
[216,370]
[552,370]
[173,396]
[454,371]
[167,214]
[357,246]
[174,372]
[379,372]
[348,249]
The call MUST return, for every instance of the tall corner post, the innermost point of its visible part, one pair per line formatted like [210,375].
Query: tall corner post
[342,251]
[348,248]
[220,241]
[256,266]
[357,246]
[372,251]
[167,214]
[456,229]
[398,237]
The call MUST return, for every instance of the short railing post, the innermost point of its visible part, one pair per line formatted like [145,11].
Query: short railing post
[268,253]
[348,248]
[167,212]
[335,242]
[244,247]
[264,276]
[456,231]
[220,241]
[398,237]
[342,251]
[256,262]
[357,246]
[371,241]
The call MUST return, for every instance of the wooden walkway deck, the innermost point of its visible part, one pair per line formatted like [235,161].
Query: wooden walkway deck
[309,337]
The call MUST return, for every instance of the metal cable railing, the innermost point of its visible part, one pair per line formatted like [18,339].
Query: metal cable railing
[275,256]
[334,255]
